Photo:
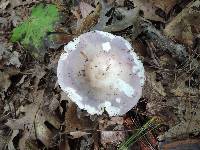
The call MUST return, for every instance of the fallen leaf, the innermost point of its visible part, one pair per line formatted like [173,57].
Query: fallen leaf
[38,72]
[113,121]
[4,138]
[4,81]
[165,5]
[85,9]
[86,142]
[185,26]
[102,10]
[14,59]
[119,2]
[55,40]
[15,19]
[14,3]
[10,143]
[156,86]
[54,103]
[78,134]
[75,120]
[112,131]
[8,58]
[34,122]
[189,116]
[89,21]
[3,5]
[74,123]
[112,137]
[148,9]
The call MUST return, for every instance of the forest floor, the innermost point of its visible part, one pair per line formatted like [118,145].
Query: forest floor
[36,114]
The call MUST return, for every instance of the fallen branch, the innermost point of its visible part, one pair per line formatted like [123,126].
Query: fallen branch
[177,51]
[165,44]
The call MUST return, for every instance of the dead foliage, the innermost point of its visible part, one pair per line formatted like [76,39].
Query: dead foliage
[36,114]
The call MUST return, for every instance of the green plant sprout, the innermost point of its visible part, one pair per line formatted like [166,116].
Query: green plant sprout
[32,31]
[146,128]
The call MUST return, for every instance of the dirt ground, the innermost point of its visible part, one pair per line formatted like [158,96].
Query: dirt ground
[36,114]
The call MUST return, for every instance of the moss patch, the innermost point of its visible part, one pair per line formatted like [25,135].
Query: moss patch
[32,31]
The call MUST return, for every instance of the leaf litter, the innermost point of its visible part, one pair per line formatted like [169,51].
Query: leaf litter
[39,112]
[33,123]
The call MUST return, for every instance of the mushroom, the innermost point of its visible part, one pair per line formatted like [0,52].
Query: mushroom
[100,72]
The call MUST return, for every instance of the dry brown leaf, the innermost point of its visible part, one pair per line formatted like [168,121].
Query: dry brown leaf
[54,103]
[155,86]
[7,57]
[102,19]
[4,139]
[182,90]
[89,17]
[10,143]
[85,9]
[157,97]
[165,5]
[3,5]
[14,3]
[75,120]
[78,134]
[120,2]
[185,26]
[33,123]
[148,8]
[130,17]
[186,104]
[190,118]
[89,21]
[112,131]
[27,144]
[113,121]
[11,3]
[74,123]
[5,78]
[112,137]
[37,73]
[86,143]
[64,145]
[4,81]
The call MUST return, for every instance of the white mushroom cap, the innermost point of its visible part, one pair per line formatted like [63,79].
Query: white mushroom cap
[99,71]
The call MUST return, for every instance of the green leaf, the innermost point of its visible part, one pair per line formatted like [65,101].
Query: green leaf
[32,31]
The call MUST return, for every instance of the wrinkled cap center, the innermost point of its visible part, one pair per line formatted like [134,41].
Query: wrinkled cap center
[102,71]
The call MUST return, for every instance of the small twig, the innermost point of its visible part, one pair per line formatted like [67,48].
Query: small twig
[176,50]
[165,44]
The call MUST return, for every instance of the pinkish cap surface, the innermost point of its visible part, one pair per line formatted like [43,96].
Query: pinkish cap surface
[100,71]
